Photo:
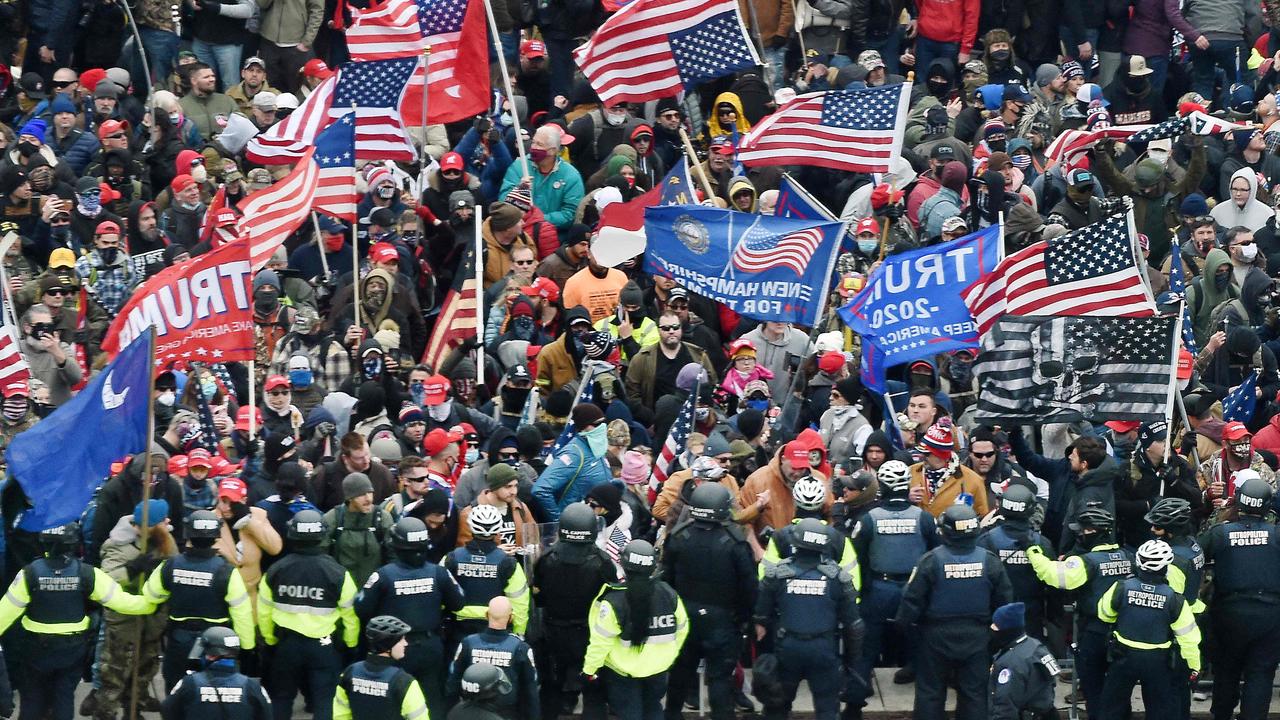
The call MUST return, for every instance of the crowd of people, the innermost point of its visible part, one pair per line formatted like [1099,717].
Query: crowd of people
[497,530]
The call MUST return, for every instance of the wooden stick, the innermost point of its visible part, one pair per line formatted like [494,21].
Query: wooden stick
[697,166]
[506,83]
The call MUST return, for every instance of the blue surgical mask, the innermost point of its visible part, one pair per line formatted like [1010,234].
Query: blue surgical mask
[868,247]
[761,405]
[598,439]
[300,378]
[473,454]
[209,388]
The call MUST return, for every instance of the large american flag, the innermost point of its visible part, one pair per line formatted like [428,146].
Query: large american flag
[1071,144]
[13,366]
[654,48]
[853,130]
[374,90]
[677,437]
[273,213]
[384,31]
[1092,271]
[458,319]
[335,157]
[1241,402]
[760,250]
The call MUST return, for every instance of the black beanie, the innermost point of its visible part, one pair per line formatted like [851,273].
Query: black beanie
[850,389]
[528,441]
[750,423]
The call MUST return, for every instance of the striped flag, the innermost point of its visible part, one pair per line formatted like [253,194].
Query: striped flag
[13,366]
[209,223]
[1178,288]
[586,394]
[335,156]
[273,213]
[1071,144]
[385,31]
[613,544]
[760,250]
[854,130]
[1240,404]
[675,444]
[457,319]
[654,48]
[1092,271]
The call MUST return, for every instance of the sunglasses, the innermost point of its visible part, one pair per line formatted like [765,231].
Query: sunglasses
[668,328]
[524,262]
[60,84]
[508,456]
[56,292]
[414,478]
[679,306]
[982,456]
[117,136]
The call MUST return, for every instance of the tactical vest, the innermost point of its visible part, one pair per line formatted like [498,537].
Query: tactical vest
[1146,611]
[898,543]
[833,550]
[1248,560]
[197,587]
[568,582]
[503,652]
[58,597]
[808,604]
[412,594]
[1189,557]
[961,586]
[1002,543]
[479,574]
[219,697]
[306,583]
[662,613]
[375,689]
[1105,568]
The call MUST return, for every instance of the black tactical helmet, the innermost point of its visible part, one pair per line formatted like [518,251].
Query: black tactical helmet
[1093,518]
[384,631]
[710,502]
[1170,514]
[409,534]
[811,535]
[578,524]
[483,681]
[959,521]
[639,558]
[61,536]
[220,642]
[1254,497]
[307,527]
[1017,502]
[203,525]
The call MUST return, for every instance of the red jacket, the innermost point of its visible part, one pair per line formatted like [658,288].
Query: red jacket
[951,21]
[542,232]
[1268,438]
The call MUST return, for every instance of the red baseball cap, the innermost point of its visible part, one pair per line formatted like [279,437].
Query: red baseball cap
[200,457]
[451,161]
[242,418]
[543,288]
[178,465]
[316,68]
[1235,430]
[275,381]
[15,388]
[867,225]
[223,468]
[436,388]
[1123,426]
[107,194]
[182,182]
[1185,363]
[437,440]
[722,144]
[233,489]
[111,127]
[383,252]
[224,217]
[831,362]
[107,227]
[797,455]
[533,49]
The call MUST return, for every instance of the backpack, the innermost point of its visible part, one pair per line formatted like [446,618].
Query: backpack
[340,518]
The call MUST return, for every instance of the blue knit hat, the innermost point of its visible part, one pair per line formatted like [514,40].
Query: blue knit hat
[35,128]
[1010,617]
[1194,205]
[62,104]
[157,512]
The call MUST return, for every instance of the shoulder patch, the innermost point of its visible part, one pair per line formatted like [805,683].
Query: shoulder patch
[1073,562]
[373,580]
[564,458]
[1004,676]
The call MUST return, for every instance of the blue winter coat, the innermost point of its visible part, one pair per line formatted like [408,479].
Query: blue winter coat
[569,476]
[77,149]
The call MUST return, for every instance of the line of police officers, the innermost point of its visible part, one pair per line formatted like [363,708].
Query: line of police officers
[632,643]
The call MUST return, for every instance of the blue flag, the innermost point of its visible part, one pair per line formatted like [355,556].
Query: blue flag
[796,202]
[586,394]
[1178,289]
[759,266]
[911,306]
[63,459]
[1240,404]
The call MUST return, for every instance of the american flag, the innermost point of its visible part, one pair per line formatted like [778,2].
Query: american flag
[586,394]
[376,92]
[1092,271]
[853,130]
[385,31]
[273,213]
[654,48]
[208,428]
[335,155]
[1071,144]
[758,251]
[208,224]
[1066,369]
[13,366]
[613,544]
[677,436]
[1241,402]
[1178,288]
[457,319]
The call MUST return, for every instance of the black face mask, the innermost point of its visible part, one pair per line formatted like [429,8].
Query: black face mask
[1221,280]
[43,410]
[27,149]
[938,87]
[108,254]
[1001,639]
[513,399]
[1136,85]
[996,145]
[265,302]
[1000,59]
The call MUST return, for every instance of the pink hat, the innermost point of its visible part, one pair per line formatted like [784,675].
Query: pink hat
[635,468]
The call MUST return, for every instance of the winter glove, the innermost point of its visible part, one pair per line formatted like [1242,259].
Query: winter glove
[239,515]
[141,565]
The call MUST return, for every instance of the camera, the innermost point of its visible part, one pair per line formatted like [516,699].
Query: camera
[42,330]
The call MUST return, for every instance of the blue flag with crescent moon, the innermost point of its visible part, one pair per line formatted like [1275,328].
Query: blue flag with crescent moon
[61,461]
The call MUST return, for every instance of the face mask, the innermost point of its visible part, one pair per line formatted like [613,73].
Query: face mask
[109,255]
[1249,252]
[199,174]
[522,327]
[702,414]
[760,405]
[418,391]
[27,149]
[372,367]
[938,88]
[333,243]
[440,412]
[1242,450]
[1159,156]
[44,410]
[615,120]
[1135,85]
[386,192]
[538,154]
[208,388]
[597,439]
[996,145]
[166,399]
[175,119]
[300,378]
[15,408]
[1021,161]
[116,180]
[61,233]
[1220,281]
[473,454]
[961,371]
[513,399]
[264,301]
[1000,55]
[867,247]
[90,203]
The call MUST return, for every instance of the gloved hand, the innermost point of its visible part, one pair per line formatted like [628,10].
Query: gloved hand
[239,515]
[777,41]
[482,124]
[1194,678]
[142,565]
[1034,550]
[250,663]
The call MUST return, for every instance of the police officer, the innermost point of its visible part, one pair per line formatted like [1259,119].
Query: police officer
[566,580]
[1101,565]
[203,589]
[301,600]
[485,571]
[1023,670]
[1008,540]
[805,599]
[499,647]
[482,684]
[1149,616]
[51,595]
[949,598]
[219,691]
[709,563]
[890,539]
[637,629]
[1170,520]
[1245,613]
[376,688]
[810,495]
[418,593]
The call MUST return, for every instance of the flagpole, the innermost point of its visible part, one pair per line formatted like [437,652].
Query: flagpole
[479,272]
[697,166]
[1173,387]
[136,660]
[424,160]
[804,54]
[10,314]
[1186,424]
[355,242]
[324,261]
[755,27]
[506,83]
[1000,243]
[884,231]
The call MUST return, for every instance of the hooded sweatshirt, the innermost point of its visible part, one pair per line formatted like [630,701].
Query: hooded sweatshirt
[738,183]
[147,255]
[1203,295]
[715,129]
[1253,215]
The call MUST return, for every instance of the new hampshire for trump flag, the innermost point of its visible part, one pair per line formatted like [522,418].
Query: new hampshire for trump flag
[63,459]
[1040,370]
[763,267]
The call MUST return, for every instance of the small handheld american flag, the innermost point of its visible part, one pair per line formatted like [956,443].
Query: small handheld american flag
[675,444]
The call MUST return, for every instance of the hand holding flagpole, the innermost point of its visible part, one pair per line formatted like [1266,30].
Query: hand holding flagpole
[506,84]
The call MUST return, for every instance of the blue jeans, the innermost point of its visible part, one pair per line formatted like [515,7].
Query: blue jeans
[890,47]
[1159,73]
[224,59]
[929,50]
[161,47]
[1222,54]
[775,61]
[510,49]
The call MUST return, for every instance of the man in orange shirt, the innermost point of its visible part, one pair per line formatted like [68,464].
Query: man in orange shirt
[596,288]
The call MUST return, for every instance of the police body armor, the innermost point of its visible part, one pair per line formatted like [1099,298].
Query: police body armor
[375,688]
[413,595]
[832,551]
[961,587]
[1105,568]
[569,583]
[662,613]
[1146,611]
[197,588]
[1250,565]
[898,544]
[1189,557]
[1008,544]
[808,607]
[58,597]
[310,581]
[479,574]
[219,696]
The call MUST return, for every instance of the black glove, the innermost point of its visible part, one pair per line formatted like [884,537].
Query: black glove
[494,136]
[778,41]
[893,210]
[250,663]
[238,511]
[142,565]
[482,124]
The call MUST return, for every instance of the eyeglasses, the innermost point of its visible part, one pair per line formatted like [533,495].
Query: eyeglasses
[278,393]
[670,115]
[60,84]
[117,136]
[982,456]
[1239,189]
[668,328]
[679,306]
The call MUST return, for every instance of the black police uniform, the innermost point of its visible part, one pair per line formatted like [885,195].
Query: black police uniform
[566,579]
[419,596]
[1188,557]
[197,585]
[711,567]
[218,692]
[950,598]
[1104,566]
[1245,614]
[1145,608]
[510,654]
[1022,680]
[1008,541]
[473,565]
[806,601]
[474,710]
[375,688]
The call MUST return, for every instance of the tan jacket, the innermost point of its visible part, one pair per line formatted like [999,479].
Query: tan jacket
[257,538]
[670,494]
[497,257]
[781,509]
[526,526]
[962,479]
